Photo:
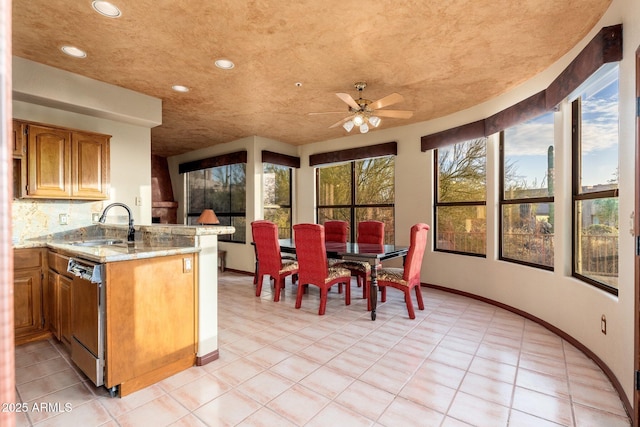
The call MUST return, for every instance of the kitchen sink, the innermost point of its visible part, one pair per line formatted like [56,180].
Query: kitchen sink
[98,242]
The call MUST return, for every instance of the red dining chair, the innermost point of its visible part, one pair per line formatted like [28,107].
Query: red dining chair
[313,267]
[269,259]
[371,232]
[408,277]
[336,231]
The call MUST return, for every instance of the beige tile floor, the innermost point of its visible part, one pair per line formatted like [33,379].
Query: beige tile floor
[459,363]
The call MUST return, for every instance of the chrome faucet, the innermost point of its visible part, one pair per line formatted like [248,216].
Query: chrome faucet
[131,234]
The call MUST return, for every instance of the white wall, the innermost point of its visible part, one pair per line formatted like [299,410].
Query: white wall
[555,297]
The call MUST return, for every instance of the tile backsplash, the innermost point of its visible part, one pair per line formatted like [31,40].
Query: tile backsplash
[33,219]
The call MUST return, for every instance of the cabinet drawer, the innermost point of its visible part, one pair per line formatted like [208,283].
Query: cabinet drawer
[58,263]
[27,258]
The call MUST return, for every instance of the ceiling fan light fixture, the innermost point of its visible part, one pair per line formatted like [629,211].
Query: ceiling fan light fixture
[364,113]
[348,125]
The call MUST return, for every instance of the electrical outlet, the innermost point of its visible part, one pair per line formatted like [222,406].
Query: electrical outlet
[186,265]
[138,201]
[63,219]
[603,324]
[95,217]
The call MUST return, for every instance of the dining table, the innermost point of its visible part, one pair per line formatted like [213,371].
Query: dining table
[371,253]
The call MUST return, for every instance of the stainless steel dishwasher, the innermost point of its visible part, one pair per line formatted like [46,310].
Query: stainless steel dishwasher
[87,318]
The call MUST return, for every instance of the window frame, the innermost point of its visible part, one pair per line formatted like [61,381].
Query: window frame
[222,214]
[503,201]
[290,205]
[225,160]
[438,204]
[353,206]
[577,195]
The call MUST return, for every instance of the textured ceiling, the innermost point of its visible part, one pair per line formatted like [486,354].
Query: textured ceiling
[441,56]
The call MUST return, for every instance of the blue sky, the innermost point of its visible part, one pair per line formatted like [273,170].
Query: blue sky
[526,149]
[600,136]
[527,143]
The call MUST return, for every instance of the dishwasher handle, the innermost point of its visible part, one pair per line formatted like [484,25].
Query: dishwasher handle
[92,273]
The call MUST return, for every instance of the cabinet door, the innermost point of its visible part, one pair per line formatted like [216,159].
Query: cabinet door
[49,159]
[90,162]
[65,310]
[19,146]
[151,318]
[27,299]
[19,159]
[53,303]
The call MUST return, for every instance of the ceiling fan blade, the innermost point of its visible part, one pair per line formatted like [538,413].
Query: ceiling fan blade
[336,124]
[394,98]
[397,114]
[345,97]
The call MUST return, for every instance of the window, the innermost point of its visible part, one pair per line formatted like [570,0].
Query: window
[526,202]
[461,197]
[277,197]
[595,179]
[223,189]
[357,191]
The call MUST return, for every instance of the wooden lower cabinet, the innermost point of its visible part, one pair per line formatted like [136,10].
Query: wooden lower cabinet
[150,320]
[58,298]
[150,313]
[29,318]
[52,298]
[27,302]
[64,314]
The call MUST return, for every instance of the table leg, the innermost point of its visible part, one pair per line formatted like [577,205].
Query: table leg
[373,290]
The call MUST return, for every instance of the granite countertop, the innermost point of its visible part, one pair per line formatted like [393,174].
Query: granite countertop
[119,252]
[151,241]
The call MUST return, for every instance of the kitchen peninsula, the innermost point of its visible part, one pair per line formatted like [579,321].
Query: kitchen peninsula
[157,297]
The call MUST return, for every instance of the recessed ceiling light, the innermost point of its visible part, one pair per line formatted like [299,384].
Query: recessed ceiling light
[180,88]
[74,51]
[225,64]
[107,9]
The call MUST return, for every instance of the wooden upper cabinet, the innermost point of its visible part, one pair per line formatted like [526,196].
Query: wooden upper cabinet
[49,162]
[66,164]
[19,145]
[19,159]
[90,173]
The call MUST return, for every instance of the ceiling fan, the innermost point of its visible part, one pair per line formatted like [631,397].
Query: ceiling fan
[364,112]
